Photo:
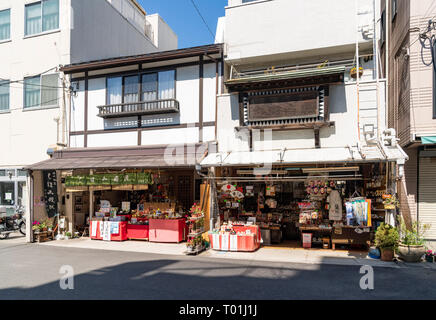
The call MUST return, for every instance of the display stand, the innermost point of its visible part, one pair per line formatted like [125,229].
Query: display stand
[138,232]
[120,236]
[167,230]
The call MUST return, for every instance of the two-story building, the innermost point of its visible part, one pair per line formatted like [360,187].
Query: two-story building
[303,114]
[407,52]
[147,118]
[36,38]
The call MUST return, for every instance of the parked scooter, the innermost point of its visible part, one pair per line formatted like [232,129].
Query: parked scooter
[11,224]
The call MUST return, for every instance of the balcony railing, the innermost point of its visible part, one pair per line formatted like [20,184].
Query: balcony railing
[139,108]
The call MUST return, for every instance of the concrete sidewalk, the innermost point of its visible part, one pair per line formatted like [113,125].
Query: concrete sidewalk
[266,254]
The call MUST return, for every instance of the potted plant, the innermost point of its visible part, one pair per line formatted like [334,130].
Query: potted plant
[429,257]
[36,226]
[353,72]
[386,238]
[391,203]
[412,243]
[67,235]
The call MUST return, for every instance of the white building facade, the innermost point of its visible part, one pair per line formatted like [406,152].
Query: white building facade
[291,94]
[36,38]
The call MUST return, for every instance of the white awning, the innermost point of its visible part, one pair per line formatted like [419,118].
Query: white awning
[306,156]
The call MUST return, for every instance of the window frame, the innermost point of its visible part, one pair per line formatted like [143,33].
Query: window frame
[434,79]
[40,106]
[42,31]
[140,91]
[394,9]
[10,26]
[383,28]
[6,83]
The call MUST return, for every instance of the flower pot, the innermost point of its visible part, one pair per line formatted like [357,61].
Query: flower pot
[411,253]
[387,254]
[429,259]
[353,72]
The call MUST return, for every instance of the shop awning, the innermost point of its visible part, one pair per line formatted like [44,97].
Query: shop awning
[428,140]
[306,156]
[181,156]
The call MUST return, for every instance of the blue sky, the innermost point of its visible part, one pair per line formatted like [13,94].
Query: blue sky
[185,21]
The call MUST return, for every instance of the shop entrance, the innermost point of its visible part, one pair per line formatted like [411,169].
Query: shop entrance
[324,207]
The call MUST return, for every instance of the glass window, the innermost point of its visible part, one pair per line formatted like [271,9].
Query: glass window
[4,95]
[49,89]
[167,84]
[149,87]
[22,194]
[22,173]
[114,90]
[33,18]
[5,24]
[131,89]
[2,173]
[7,193]
[50,15]
[32,92]
[42,16]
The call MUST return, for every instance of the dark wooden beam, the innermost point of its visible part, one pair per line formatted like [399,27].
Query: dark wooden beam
[297,126]
[317,139]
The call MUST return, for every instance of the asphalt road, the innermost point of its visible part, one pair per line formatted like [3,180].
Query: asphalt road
[31,271]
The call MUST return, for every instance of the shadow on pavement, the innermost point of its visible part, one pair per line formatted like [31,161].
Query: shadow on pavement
[200,278]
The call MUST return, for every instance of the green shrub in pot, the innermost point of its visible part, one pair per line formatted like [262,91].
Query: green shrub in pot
[412,242]
[387,238]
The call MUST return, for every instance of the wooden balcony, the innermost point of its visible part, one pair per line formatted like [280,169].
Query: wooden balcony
[139,108]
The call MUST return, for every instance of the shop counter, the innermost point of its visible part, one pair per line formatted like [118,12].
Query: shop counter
[167,230]
[351,236]
[115,231]
[138,231]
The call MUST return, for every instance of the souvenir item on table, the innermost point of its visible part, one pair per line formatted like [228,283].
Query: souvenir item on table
[105,206]
[237,194]
[249,191]
[270,191]
[314,215]
[271,203]
[228,188]
[125,206]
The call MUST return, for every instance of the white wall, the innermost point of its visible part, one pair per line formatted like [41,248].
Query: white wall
[273,27]
[28,134]
[162,35]
[187,93]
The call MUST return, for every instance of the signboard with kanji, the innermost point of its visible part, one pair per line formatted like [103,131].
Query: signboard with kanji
[50,193]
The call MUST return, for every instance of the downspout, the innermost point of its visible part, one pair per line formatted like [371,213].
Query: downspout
[357,71]
[387,63]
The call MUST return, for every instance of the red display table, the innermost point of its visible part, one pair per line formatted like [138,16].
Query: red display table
[138,231]
[245,243]
[120,236]
[237,243]
[166,230]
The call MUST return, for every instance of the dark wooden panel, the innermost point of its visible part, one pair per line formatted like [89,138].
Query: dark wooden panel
[280,107]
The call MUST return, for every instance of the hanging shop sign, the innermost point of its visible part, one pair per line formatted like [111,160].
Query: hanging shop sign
[108,179]
[50,192]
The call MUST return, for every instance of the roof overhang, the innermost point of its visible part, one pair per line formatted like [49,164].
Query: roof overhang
[208,50]
[306,156]
[167,156]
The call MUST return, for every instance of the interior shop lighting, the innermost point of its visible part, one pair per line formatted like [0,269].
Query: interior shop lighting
[331,169]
